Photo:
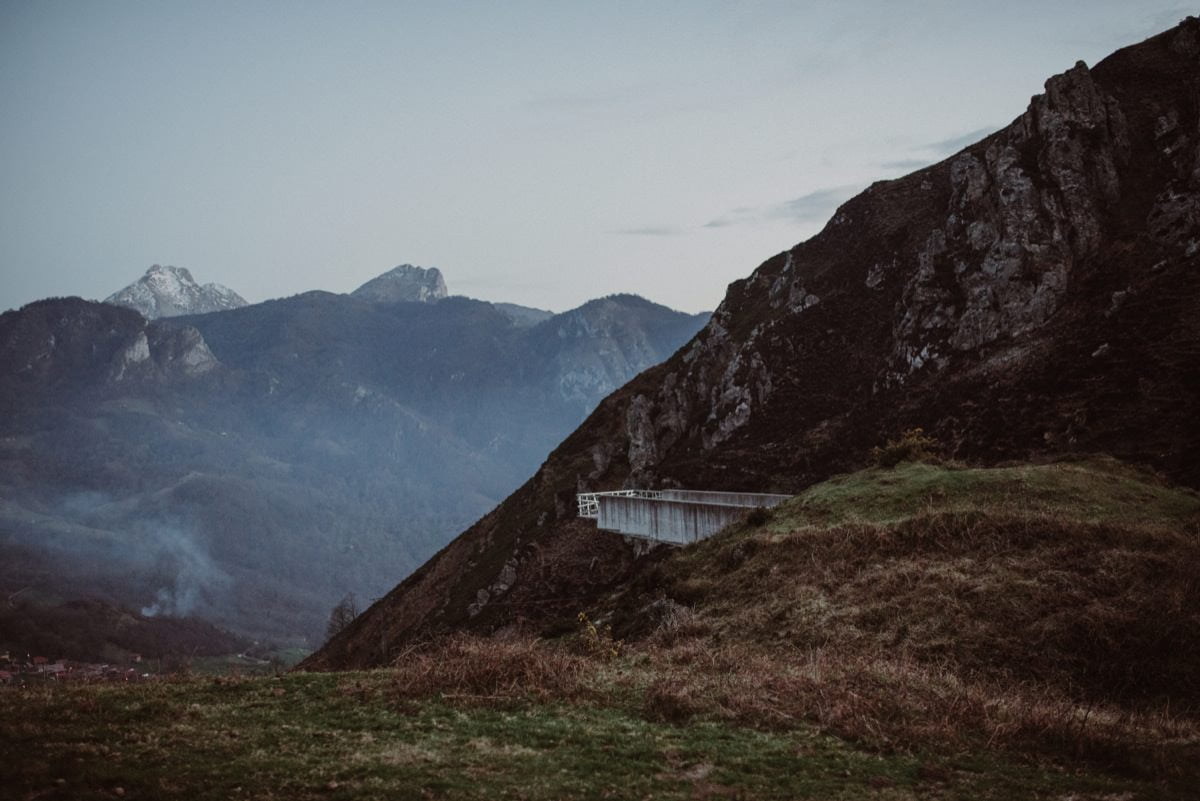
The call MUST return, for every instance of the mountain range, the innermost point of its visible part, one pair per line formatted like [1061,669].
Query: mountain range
[1032,297]
[254,464]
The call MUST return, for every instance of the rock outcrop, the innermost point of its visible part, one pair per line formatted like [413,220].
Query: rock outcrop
[172,352]
[1033,295]
[171,292]
[67,346]
[404,283]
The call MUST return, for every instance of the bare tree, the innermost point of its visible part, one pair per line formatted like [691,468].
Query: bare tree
[345,611]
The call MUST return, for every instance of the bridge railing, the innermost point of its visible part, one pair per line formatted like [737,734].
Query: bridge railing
[745,500]
[589,502]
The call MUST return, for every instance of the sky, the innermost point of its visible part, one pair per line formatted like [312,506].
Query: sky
[542,153]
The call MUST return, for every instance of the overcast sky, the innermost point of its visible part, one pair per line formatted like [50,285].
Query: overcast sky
[542,153]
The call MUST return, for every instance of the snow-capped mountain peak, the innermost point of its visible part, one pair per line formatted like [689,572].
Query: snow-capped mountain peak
[171,291]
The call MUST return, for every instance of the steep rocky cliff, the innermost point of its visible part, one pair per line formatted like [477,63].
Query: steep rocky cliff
[1033,295]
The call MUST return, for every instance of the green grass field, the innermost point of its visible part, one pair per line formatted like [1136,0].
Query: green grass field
[343,736]
[1095,490]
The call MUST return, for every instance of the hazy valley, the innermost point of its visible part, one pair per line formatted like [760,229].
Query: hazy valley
[254,465]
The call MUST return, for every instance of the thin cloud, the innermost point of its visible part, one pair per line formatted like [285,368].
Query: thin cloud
[650,230]
[601,100]
[931,152]
[947,147]
[816,206]
[630,99]
[906,165]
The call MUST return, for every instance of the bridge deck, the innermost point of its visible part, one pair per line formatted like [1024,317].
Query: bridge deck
[673,516]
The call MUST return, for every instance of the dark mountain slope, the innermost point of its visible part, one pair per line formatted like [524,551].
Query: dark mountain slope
[460,362]
[1033,295]
[252,466]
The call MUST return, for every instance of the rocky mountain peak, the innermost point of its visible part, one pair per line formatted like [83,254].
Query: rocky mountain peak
[171,291]
[959,271]
[404,283]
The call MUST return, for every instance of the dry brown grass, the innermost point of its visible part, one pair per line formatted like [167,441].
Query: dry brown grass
[895,703]
[1098,611]
[1049,621]
[888,702]
[469,667]
[673,622]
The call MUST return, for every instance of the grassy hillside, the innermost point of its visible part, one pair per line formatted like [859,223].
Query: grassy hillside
[1076,575]
[1092,490]
[914,632]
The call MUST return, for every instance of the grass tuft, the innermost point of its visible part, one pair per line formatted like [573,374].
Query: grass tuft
[469,667]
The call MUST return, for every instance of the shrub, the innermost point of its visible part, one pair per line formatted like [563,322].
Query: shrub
[675,623]
[911,446]
[758,516]
[598,642]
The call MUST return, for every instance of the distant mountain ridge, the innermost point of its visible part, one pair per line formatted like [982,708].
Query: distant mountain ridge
[253,465]
[523,315]
[171,292]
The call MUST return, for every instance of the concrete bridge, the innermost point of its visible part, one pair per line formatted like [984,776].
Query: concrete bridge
[674,516]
